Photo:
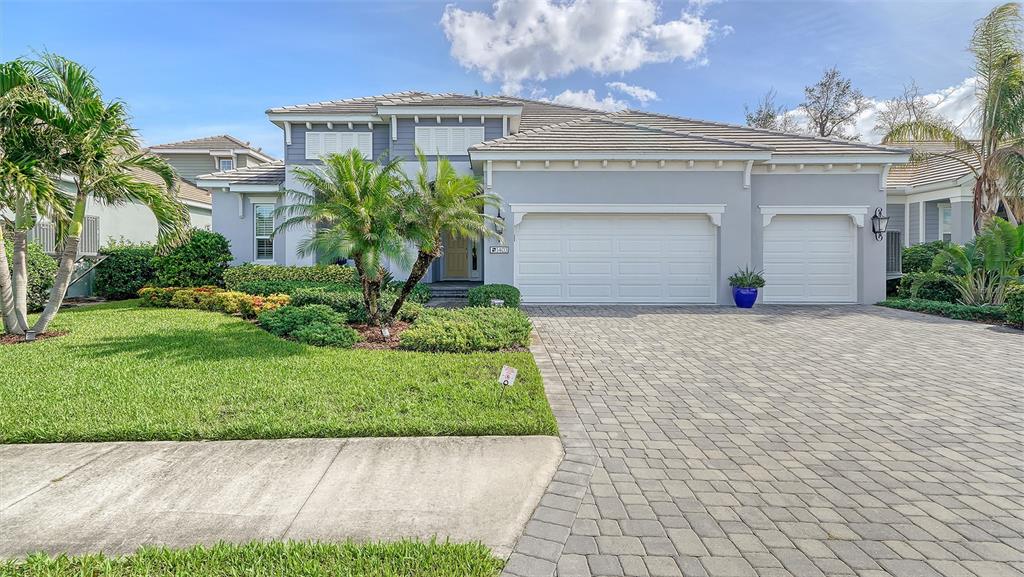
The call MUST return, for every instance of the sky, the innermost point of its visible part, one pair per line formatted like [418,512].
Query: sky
[189,69]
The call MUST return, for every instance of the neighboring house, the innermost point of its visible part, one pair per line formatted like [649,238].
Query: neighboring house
[933,199]
[623,207]
[191,158]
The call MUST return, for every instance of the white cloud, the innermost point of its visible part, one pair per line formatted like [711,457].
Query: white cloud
[535,40]
[588,99]
[639,93]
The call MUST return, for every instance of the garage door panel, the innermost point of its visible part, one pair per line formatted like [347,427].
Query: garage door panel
[810,259]
[618,258]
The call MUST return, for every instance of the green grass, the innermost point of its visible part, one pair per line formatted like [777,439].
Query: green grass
[130,373]
[274,559]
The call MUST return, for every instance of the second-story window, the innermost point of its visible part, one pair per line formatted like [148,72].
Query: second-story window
[448,140]
[226,164]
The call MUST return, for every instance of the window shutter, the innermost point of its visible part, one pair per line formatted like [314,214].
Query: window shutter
[314,145]
[364,142]
[330,140]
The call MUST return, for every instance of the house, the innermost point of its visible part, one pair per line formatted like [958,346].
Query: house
[600,207]
[191,158]
[932,199]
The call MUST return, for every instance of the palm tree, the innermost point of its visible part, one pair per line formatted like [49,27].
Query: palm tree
[996,158]
[100,153]
[448,203]
[352,207]
[984,268]
[29,154]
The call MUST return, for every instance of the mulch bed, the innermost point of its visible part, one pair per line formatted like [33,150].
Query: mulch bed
[372,339]
[18,339]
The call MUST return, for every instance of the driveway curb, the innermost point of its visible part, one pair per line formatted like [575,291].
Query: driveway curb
[537,551]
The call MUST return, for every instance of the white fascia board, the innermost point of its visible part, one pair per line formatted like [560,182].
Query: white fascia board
[321,118]
[946,193]
[852,158]
[205,205]
[616,155]
[222,152]
[426,110]
[212,183]
[856,213]
[255,187]
[713,211]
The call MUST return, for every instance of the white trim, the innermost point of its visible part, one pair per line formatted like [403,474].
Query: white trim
[713,211]
[256,238]
[879,157]
[615,155]
[856,213]
[253,199]
[883,176]
[307,116]
[241,187]
[746,173]
[906,225]
[945,194]
[214,152]
[427,110]
[220,165]
[921,221]
[488,174]
[504,126]
[394,127]
[946,206]
[288,133]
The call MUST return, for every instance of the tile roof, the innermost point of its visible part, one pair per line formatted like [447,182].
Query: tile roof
[537,113]
[360,105]
[932,169]
[779,142]
[603,133]
[266,173]
[220,141]
[446,99]
[186,190]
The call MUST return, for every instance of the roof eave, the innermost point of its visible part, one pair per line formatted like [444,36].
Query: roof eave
[614,155]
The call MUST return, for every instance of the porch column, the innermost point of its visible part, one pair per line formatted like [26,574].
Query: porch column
[963,219]
[920,221]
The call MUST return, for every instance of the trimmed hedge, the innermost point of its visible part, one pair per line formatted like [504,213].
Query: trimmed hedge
[269,287]
[127,268]
[211,299]
[480,296]
[931,286]
[200,261]
[989,313]
[918,258]
[311,324]
[350,303]
[249,272]
[42,268]
[467,330]
[1015,305]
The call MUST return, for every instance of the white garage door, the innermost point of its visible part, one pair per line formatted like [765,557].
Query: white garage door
[810,259]
[626,258]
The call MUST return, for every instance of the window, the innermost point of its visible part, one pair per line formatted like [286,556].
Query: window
[320,144]
[263,217]
[946,222]
[448,140]
[226,164]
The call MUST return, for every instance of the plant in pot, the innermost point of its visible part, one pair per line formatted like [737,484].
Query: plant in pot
[745,283]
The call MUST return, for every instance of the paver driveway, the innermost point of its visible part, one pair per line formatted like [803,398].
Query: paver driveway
[780,441]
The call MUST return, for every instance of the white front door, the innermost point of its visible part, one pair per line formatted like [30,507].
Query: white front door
[620,258]
[810,259]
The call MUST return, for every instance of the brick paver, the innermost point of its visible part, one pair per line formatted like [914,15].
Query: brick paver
[781,441]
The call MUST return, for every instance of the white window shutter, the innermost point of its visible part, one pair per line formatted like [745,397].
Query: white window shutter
[314,145]
[330,140]
[364,142]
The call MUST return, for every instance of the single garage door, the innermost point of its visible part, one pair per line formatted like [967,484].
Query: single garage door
[623,258]
[810,259]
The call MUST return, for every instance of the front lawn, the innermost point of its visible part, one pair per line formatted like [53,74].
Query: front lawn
[398,559]
[130,373]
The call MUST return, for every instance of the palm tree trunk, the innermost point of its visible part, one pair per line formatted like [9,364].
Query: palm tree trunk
[64,269]
[419,268]
[21,277]
[11,324]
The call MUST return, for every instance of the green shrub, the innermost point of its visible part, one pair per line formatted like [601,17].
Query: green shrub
[229,302]
[410,311]
[311,324]
[126,269]
[987,313]
[420,292]
[1015,305]
[157,296]
[254,305]
[480,296]
[200,261]
[250,272]
[269,287]
[918,258]
[42,268]
[468,329]
[932,286]
[350,302]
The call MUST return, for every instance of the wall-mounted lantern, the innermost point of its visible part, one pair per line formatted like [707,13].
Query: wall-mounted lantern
[499,223]
[879,224]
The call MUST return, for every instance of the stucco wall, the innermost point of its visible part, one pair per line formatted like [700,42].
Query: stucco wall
[740,235]
[240,230]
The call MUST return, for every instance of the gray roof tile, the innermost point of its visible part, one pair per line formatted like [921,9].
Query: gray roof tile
[266,173]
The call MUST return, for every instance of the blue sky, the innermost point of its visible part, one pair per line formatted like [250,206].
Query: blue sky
[190,69]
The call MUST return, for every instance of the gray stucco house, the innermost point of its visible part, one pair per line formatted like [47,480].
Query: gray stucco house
[623,207]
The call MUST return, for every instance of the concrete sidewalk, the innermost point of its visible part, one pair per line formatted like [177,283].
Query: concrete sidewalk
[114,497]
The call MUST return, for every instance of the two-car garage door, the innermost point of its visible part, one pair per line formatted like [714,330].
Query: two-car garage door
[608,258]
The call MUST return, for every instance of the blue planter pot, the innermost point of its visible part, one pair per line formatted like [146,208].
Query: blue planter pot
[744,297]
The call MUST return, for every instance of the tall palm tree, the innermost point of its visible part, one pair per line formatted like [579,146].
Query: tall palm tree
[29,154]
[445,204]
[352,207]
[100,153]
[996,157]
